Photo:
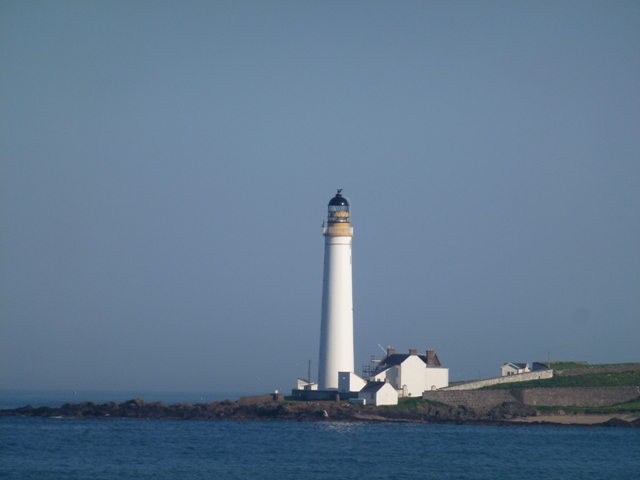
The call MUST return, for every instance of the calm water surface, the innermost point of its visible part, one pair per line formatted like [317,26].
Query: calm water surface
[56,448]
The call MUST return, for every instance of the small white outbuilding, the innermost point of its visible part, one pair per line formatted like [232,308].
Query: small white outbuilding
[379,393]
[514,368]
[304,384]
[350,382]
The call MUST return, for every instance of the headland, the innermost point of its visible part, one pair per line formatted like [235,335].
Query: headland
[605,396]
[414,410]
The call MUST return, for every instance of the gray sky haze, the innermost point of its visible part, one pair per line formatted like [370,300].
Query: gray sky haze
[165,169]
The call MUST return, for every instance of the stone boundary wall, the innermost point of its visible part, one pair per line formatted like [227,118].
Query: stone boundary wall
[259,399]
[478,400]
[595,369]
[576,397]
[520,377]
[483,400]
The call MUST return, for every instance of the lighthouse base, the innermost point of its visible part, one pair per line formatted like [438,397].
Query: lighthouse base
[321,395]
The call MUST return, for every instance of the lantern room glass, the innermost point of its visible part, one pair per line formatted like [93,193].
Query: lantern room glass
[339,209]
[338,214]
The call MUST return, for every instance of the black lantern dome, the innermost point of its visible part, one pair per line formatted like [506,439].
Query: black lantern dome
[339,209]
[339,200]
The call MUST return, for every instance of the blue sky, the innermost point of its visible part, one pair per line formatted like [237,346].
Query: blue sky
[166,166]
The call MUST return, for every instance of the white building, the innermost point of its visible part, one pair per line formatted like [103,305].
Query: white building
[411,374]
[378,393]
[350,382]
[336,327]
[304,384]
[514,368]
[535,366]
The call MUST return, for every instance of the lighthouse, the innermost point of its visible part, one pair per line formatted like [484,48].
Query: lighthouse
[336,326]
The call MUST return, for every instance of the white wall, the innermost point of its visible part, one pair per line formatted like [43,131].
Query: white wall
[416,375]
[509,369]
[304,385]
[437,377]
[521,377]
[413,375]
[336,326]
[387,395]
[350,382]
[381,376]
[394,376]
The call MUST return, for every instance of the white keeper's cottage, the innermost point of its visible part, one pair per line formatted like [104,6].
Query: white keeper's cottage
[411,374]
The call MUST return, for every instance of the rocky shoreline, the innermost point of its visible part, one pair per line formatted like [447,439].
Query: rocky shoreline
[506,414]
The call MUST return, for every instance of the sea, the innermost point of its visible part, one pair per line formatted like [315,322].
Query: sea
[63,448]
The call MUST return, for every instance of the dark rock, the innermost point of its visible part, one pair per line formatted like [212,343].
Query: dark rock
[511,410]
[617,422]
[424,412]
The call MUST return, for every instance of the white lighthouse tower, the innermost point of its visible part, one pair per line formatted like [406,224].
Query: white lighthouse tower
[336,328]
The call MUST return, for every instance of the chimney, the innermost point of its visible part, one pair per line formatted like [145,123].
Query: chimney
[432,359]
[390,351]
[413,351]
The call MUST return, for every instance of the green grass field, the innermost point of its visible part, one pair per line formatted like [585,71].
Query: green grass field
[572,365]
[611,379]
[568,365]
